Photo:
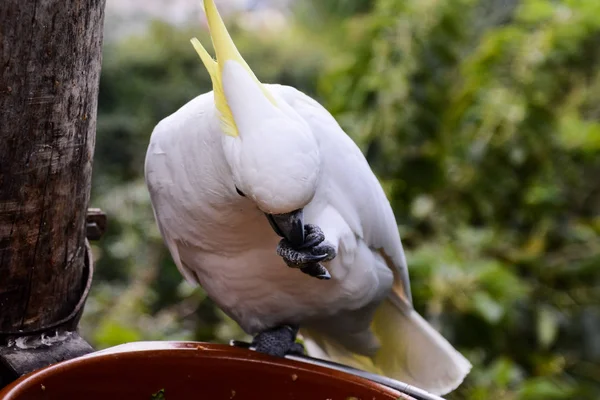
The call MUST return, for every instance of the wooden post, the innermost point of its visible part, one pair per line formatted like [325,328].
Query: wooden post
[50,57]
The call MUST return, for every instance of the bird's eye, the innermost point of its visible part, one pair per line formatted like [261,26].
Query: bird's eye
[240,192]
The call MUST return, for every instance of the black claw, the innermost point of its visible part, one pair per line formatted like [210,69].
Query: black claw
[325,249]
[277,341]
[308,256]
[312,242]
[314,258]
[316,270]
[325,275]
[297,258]
[313,236]
[297,349]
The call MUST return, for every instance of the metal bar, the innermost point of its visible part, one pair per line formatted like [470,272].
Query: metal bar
[96,222]
[418,394]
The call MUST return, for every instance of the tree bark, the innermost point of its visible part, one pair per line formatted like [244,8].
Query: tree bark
[50,57]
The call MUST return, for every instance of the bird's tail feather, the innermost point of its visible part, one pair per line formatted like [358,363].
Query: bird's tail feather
[411,351]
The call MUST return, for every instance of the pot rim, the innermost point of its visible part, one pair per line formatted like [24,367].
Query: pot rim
[202,350]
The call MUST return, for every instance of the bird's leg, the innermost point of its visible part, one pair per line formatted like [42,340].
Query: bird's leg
[308,257]
[278,341]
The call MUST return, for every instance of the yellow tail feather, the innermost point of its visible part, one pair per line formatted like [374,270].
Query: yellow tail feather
[410,350]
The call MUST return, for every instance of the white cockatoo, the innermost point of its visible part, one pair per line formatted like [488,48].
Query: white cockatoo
[256,191]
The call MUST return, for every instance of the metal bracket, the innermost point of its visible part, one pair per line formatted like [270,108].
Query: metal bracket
[27,354]
[27,351]
[95,223]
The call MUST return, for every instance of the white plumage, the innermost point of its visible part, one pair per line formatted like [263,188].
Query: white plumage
[224,242]
[285,152]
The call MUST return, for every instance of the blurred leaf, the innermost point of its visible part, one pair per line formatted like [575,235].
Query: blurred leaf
[112,333]
[487,307]
[547,326]
[479,117]
[545,389]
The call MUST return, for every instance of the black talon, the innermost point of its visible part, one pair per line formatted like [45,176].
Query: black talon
[294,257]
[313,241]
[297,349]
[277,341]
[314,258]
[313,236]
[308,256]
[316,270]
[326,249]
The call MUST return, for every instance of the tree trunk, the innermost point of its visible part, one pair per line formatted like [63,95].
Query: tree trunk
[50,56]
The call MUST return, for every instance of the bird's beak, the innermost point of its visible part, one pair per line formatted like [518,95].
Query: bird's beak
[289,226]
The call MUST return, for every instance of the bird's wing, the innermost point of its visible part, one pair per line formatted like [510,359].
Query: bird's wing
[354,190]
[161,170]
[187,272]
[410,349]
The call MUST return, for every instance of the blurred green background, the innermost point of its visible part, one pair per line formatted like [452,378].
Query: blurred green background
[481,119]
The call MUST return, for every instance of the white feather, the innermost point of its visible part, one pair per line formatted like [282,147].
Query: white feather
[410,349]
[420,356]
[224,242]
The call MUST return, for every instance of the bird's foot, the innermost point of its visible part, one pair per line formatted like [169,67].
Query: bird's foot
[309,256]
[278,341]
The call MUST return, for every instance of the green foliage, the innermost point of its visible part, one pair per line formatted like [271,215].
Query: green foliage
[487,139]
[481,119]
[160,395]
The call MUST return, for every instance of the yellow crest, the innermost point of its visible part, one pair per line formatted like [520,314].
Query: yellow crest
[225,50]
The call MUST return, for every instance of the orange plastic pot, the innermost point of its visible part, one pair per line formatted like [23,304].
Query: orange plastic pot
[190,371]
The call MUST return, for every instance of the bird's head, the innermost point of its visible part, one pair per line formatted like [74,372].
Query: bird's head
[271,151]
